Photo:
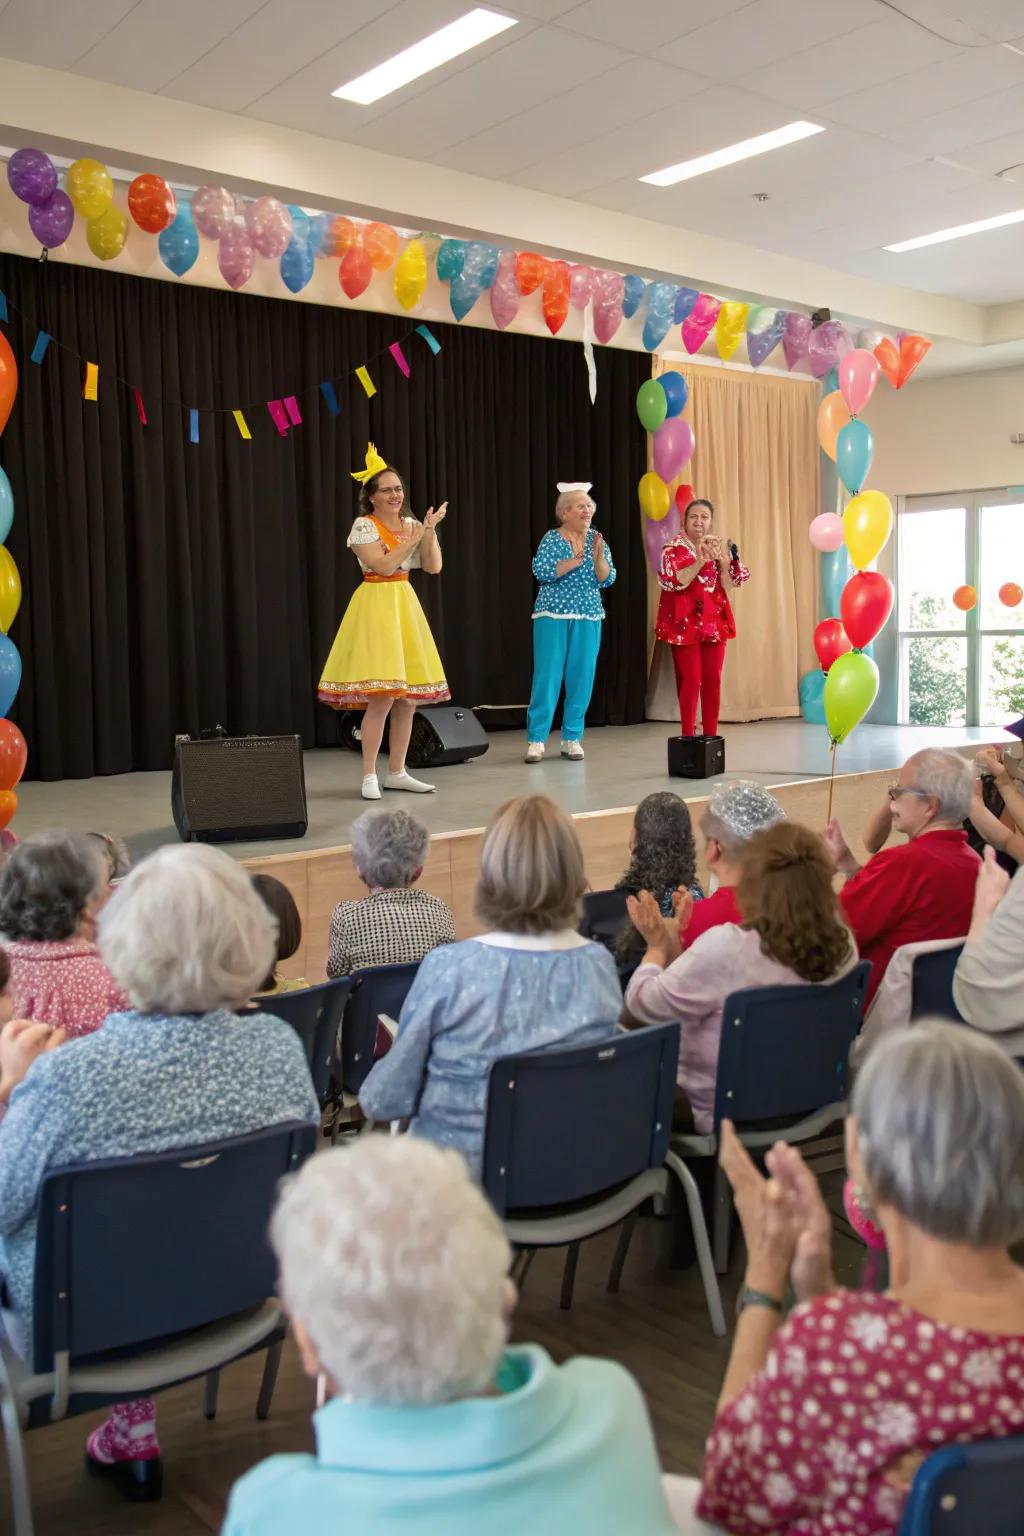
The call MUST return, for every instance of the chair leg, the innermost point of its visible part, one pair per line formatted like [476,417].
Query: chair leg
[210,1387]
[569,1276]
[712,1294]
[269,1378]
[521,1266]
[621,1250]
[21,1494]
[722,1219]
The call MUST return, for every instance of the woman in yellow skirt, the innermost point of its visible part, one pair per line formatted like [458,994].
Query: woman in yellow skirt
[384,659]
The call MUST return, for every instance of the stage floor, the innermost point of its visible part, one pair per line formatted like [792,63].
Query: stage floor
[623,764]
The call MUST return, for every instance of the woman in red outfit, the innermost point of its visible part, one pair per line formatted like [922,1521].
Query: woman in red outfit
[694,614]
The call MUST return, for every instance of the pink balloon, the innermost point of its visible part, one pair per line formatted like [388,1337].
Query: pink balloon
[657,535]
[827,345]
[505,291]
[270,226]
[673,447]
[858,375]
[697,326]
[796,336]
[609,288]
[581,286]
[213,209]
[236,256]
[826,532]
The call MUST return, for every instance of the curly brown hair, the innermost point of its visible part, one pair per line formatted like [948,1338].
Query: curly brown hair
[369,487]
[785,893]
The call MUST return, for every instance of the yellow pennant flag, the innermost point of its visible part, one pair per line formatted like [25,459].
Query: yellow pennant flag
[92,381]
[242,425]
[366,382]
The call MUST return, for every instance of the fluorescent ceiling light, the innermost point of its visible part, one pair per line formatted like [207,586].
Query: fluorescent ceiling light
[744,150]
[429,53]
[958,231]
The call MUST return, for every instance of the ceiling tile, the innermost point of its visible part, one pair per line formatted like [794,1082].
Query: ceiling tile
[152,44]
[952,129]
[732,46]
[650,25]
[1003,154]
[56,32]
[538,10]
[948,84]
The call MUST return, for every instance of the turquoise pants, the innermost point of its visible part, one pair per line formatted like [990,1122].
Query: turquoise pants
[562,649]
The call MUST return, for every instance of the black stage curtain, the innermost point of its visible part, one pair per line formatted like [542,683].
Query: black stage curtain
[171,586]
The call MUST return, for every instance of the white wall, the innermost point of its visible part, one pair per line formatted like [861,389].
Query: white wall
[948,434]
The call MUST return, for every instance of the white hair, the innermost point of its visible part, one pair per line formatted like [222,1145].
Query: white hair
[186,932]
[388,847]
[397,1267]
[569,496]
[946,776]
[940,1126]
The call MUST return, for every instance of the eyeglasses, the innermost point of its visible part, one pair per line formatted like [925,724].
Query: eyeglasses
[895,790]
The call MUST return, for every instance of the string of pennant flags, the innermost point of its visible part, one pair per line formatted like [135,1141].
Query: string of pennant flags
[285,411]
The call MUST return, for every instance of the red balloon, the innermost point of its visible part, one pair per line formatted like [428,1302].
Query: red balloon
[151,203]
[913,350]
[8,806]
[530,270]
[865,606]
[13,755]
[555,303]
[355,271]
[8,380]
[684,495]
[888,359]
[830,642]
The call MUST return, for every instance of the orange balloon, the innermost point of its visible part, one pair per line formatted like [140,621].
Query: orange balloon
[13,755]
[833,416]
[555,304]
[913,350]
[531,270]
[8,380]
[965,598]
[1010,594]
[889,360]
[380,242]
[8,806]
[151,203]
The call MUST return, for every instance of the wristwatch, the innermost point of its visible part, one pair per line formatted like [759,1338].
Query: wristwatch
[752,1298]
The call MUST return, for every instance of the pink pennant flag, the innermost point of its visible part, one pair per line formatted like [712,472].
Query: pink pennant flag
[140,407]
[399,357]
[277,416]
[291,405]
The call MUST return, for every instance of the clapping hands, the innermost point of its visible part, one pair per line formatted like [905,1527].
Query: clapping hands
[661,934]
[786,1224]
[21,1041]
[432,517]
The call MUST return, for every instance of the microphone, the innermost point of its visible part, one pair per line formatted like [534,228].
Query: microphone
[734,550]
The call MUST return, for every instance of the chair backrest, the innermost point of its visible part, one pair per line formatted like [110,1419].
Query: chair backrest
[375,990]
[785,1050]
[131,1250]
[604,913]
[932,985]
[968,1490]
[315,1015]
[565,1125]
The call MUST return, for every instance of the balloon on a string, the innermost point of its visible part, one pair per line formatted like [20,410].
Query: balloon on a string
[6,506]
[8,380]
[89,187]
[811,692]
[32,176]
[653,495]
[107,234]
[826,532]
[867,524]
[855,449]
[683,497]
[833,416]
[51,222]
[673,447]
[651,404]
[13,755]
[10,673]
[865,606]
[830,642]
[8,807]
[152,203]
[676,390]
[858,375]
[10,596]
[851,688]
[657,532]
[178,244]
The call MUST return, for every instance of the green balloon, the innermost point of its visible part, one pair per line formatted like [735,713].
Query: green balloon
[651,405]
[851,688]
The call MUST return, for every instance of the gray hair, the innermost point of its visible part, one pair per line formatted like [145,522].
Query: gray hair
[187,932]
[565,497]
[940,1125]
[397,1267]
[735,811]
[947,777]
[46,884]
[388,847]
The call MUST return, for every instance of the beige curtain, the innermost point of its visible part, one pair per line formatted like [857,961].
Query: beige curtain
[757,460]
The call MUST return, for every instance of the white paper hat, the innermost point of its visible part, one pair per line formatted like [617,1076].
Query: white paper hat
[573,485]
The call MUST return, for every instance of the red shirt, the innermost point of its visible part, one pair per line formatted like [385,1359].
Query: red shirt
[721,907]
[64,984]
[700,612]
[923,889]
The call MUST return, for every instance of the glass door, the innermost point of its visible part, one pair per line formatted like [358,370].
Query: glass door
[931,556]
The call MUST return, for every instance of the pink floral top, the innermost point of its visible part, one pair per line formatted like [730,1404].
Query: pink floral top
[853,1382]
[63,984]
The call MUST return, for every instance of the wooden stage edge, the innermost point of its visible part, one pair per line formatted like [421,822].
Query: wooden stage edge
[318,880]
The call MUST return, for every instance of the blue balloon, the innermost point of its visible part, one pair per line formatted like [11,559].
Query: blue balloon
[677,392]
[632,293]
[465,289]
[178,244]
[686,298]
[319,230]
[854,452]
[450,259]
[812,697]
[6,507]
[661,304]
[297,265]
[836,570]
[301,231]
[10,673]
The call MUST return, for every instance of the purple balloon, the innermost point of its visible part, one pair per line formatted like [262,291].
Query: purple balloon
[236,256]
[270,226]
[796,336]
[764,332]
[657,535]
[51,221]
[673,447]
[828,345]
[609,289]
[32,176]
[505,291]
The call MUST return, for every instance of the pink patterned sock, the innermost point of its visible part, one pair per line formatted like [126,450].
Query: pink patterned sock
[128,1435]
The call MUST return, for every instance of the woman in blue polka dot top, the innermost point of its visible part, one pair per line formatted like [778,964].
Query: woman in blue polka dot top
[572,564]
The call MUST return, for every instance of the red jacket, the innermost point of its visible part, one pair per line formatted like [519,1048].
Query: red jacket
[701,611]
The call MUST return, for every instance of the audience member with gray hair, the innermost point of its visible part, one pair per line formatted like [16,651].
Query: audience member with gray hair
[188,939]
[735,811]
[394,1270]
[393,924]
[924,888]
[51,891]
[824,1418]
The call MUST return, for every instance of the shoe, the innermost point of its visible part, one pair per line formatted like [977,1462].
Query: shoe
[371,787]
[534,751]
[141,1482]
[405,780]
[573,751]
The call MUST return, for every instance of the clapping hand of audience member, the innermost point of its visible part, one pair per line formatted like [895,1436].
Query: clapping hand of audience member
[645,915]
[839,848]
[786,1225]
[21,1041]
[989,891]
[682,910]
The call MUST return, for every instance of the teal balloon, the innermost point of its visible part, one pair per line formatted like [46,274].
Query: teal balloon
[178,244]
[851,688]
[6,507]
[10,673]
[651,405]
[450,258]
[301,229]
[830,383]
[676,392]
[812,697]
[854,452]
[836,570]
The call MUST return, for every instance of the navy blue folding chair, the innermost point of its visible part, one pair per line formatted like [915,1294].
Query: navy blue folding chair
[375,990]
[932,985]
[185,1233]
[784,1060]
[604,913]
[315,1014]
[968,1490]
[575,1140]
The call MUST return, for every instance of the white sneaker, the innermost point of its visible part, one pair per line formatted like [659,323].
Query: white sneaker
[371,787]
[405,780]
[534,751]
[573,751]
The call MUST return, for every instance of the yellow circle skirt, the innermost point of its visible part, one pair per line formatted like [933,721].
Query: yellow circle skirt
[383,649]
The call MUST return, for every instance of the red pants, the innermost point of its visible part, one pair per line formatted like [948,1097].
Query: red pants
[699,672]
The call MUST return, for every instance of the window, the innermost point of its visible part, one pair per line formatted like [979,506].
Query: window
[960,668]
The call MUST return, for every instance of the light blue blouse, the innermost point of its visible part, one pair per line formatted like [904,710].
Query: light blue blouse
[577,594]
[472,1002]
[567,1452]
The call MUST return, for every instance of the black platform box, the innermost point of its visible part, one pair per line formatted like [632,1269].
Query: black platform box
[696,757]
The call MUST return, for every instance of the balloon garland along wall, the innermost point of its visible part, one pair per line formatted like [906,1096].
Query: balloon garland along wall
[13,751]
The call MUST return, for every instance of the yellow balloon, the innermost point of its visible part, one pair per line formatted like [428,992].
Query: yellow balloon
[411,274]
[730,327]
[107,234]
[654,497]
[10,589]
[867,524]
[90,188]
